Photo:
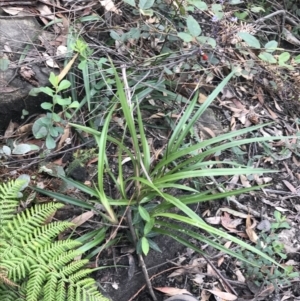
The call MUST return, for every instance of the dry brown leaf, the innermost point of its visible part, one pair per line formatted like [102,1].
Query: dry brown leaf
[45,11]
[24,129]
[223,295]
[277,106]
[208,131]
[172,291]
[220,261]
[177,272]
[250,230]
[273,115]
[233,182]
[131,269]
[244,181]
[214,220]
[64,136]
[81,219]
[206,213]
[234,212]
[65,71]
[290,186]
[267,291]
[229,223]
[205,295]
[201,98]
[199,278]
[93,160]
[12,10]
[211,271]
[260,96]
[59,162]
[240,276]
[10,130]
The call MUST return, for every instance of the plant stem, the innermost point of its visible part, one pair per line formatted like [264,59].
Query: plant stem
[140,256]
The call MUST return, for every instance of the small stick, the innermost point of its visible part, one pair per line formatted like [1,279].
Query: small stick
[140,257]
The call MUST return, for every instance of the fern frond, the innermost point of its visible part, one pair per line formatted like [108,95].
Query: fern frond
[71,293]
[44,269]
[18,268]
[75,277]
[8,293]
[36,281]
[50,288]
[55,252]
[4,277]
[30,219]
[8,201]
[61,291]
[44,235]
[73,267]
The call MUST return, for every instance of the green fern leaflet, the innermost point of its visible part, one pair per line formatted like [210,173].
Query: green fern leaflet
[33,266]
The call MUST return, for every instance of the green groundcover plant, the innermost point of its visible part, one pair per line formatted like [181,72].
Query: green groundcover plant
[152,180]
[33,265]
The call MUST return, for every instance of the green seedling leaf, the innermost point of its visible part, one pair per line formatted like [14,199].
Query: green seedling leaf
[185,37]
[6,150]
[134,33]
[271,46]
[34,91]
[146,4]
[63,101]
[64,84]
[297,59]
[47,91]
[55,117]
[46,105]
[207,40]
[193,26]
[115,36]
[147,12]
[199,4]
[53,131]
[217,11]
[53,79]
[21,149]
[267,57]
[242,15]
[283,57]
[257,9]
[50,142]
[39,128]
[144,214]
[145,245]
[277,216]
[25,179]
[130,2]
[74,105]
[249,39]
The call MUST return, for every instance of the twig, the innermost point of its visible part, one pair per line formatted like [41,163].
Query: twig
[270,16]
[164,271]
[224,281]
[232,199]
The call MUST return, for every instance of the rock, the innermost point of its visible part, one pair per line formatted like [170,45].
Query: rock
[18,36]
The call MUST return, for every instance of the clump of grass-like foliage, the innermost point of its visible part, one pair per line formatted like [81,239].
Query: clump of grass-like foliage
[151,180]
